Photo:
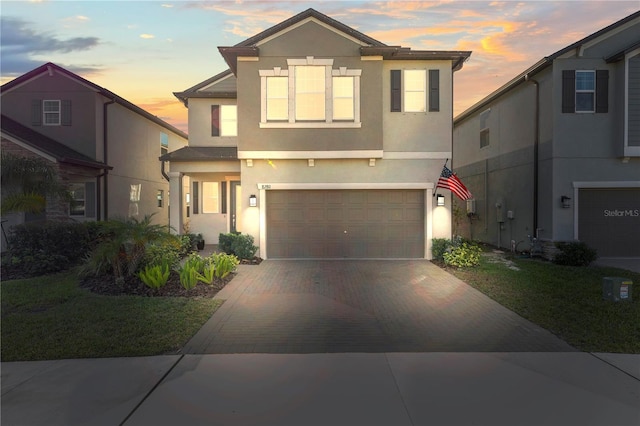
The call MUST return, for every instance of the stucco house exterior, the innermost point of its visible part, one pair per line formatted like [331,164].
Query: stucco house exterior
[320,142]
[555,152]
[104,147]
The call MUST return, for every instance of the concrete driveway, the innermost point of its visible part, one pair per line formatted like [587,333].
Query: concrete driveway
[321,306]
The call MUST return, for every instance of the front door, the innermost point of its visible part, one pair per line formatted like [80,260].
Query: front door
[236,206]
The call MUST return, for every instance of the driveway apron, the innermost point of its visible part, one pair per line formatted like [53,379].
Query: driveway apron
[321,306]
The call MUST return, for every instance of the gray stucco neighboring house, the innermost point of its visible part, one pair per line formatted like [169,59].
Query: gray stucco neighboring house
[320,142]
[555,152]
[104,148]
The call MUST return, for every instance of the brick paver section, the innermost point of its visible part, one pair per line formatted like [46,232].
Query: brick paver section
[320,306]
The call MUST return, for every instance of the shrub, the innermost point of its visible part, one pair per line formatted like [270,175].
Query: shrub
[46,247]
[155,276]
[188,276]
[224,264]
[464,255]
[240,245]
[575,253]
[168,251]
[439,247]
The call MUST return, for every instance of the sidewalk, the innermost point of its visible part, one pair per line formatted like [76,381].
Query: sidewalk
[573,388]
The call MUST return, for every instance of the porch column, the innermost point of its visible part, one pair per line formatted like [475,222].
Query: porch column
[175,202]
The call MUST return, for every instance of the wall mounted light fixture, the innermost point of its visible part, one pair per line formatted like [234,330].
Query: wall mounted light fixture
[253,201]
[440,200]
[566,202]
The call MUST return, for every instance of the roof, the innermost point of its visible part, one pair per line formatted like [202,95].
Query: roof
[371,47]
[49,67]
[48,146]
[541,65]
[202,153]
[197,92]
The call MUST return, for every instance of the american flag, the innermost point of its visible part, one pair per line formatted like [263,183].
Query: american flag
[450,181]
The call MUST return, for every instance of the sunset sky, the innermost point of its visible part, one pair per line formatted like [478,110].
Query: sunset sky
[146,50]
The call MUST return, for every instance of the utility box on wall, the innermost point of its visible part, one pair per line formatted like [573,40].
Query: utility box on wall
[616,289]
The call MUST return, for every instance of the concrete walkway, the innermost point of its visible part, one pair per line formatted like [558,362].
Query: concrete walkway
[391,389]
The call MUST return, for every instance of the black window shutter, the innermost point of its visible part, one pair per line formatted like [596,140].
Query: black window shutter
[66,113]
[195,198]
[602,91]
[90,199]
[215,121]
[223,196]
[569,91]
[434,90]
[396,90]
[36,112]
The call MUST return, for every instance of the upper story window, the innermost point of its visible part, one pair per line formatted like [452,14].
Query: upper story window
[485,135]
[164,143]
[310,93]
[224,120]
[585,91]
[415,90]
[51,113]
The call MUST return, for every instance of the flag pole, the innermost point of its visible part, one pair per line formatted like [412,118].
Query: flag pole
[445,165]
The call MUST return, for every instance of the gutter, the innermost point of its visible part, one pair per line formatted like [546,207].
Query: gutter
[105,154]
[536,144]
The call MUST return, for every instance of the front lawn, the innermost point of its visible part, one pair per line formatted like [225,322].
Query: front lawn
[51,317]
[565,300]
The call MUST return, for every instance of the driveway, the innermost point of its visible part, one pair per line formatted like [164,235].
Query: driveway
[320,306]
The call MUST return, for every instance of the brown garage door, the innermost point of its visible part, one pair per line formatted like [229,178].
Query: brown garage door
[345,224]
[609,221]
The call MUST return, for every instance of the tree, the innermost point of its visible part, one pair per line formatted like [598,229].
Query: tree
[26,184]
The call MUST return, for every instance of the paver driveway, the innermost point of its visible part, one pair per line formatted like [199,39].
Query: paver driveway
[318,306]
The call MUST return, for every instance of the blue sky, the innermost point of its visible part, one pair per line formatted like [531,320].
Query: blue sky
[146,50]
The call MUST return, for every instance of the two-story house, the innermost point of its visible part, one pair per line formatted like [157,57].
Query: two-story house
[320,142]
[555,152]
[104,148]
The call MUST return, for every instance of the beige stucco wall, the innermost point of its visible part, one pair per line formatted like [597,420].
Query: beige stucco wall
[200,123]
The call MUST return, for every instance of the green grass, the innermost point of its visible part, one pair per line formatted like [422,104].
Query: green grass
[51,317]
[565,300]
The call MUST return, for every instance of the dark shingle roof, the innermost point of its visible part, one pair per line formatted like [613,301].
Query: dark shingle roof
[202,153]
[48,146]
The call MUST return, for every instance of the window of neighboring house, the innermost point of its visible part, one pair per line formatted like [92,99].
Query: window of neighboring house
[411,90]
[310,93]
[78,203]
[585,91]
[224,120]
[484,129]
[160,197]
[164,143]
[415,98]
[210,197]
[51,113]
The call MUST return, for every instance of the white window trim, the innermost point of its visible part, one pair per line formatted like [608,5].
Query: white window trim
[45,112]
[329,74]
[576,91]
[629,151]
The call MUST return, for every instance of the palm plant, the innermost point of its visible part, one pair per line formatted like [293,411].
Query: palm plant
[26,183]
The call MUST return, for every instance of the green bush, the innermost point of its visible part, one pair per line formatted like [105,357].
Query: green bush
[464,255]
[168,251]
[188,276]
[155,276]
[575,253]
[240,245]
[46,247]
[439,247]
[224,264]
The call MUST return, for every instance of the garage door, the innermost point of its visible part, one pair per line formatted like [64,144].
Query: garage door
[345,224]
[609,221]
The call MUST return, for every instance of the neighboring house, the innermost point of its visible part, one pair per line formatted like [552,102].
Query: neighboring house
[105,148]
[320,142]
[556,151]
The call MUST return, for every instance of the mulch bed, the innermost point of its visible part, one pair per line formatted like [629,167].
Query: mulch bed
[133,286]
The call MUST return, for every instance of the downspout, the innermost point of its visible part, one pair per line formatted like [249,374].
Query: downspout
[98,195]
[105,151]
[536,143]
[164,174]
